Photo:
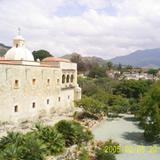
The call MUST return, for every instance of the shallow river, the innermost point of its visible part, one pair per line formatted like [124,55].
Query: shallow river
[126,131]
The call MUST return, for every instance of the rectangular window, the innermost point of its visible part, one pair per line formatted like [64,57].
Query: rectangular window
[47,101]
[33,105]
[34,81]
[48,81]
[68,97]
[59,99]
[16,83]
[16,108]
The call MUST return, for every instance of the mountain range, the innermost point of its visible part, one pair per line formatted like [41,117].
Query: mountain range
[148,58]
[3,49]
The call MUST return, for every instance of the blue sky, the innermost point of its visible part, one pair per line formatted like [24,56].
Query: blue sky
[105,28]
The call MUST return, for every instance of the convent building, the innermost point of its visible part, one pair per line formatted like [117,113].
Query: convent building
[29,89]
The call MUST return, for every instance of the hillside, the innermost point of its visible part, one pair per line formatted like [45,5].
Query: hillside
[89,60]
[140,58]
[3,49]
[149,58]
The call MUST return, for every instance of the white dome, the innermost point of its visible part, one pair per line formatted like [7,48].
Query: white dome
[19,53]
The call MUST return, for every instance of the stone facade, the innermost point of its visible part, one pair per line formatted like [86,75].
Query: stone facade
[32,89]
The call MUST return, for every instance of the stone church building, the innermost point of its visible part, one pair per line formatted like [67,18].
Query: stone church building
[29,89]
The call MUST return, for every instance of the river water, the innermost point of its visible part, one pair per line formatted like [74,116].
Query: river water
[125,131]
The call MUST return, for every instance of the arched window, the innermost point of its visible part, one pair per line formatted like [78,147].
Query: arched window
[72,78]
[63,78]
[68,78]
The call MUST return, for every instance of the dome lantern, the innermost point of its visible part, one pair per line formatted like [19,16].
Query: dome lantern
[18,41]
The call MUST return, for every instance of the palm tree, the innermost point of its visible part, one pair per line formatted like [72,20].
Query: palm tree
[34,148]
[11,146]
[52,138]
[11,152]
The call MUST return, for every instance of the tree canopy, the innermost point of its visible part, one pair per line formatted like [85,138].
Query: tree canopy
[41,54]
[150,113]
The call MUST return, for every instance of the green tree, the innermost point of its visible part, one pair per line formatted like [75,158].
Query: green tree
[109,65]
[153,72]
[97,71]
[91,105]
[118,104]
[132,88]
[41,54]
[150,113]
[77,58]
[88,86]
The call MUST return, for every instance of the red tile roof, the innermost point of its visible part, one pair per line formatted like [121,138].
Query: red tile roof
[55,59]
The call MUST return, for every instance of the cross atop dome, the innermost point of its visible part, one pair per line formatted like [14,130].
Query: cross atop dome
[19,31]
[18,41]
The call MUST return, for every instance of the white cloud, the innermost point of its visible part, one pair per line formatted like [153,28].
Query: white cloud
[135,26]
[95,4]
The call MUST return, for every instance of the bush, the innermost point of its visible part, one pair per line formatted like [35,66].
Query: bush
[91,105]
[83,115]
[84,155]
[33,148]
[111,147]
[11,146]
[52,138]
[101,155]
[22,147]
[73,132]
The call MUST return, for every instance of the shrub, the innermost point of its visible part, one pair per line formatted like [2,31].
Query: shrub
[84,155]
[33,148]
[16,146]
[91,105]
[73,132]
[11,146]
[83,115]
[52,138]
[111,147]
[101,155]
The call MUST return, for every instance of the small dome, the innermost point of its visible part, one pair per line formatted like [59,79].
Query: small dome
[19,53]
[55,59]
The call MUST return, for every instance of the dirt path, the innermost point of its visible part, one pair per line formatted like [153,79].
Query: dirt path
[125,130]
